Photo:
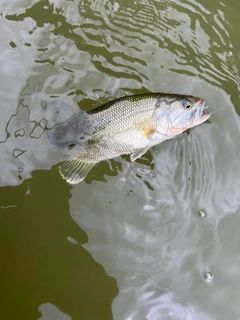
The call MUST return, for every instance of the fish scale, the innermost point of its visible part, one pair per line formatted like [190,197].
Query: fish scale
[129,125]
[124,107]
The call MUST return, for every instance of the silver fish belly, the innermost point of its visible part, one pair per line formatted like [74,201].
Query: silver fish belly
[129,125]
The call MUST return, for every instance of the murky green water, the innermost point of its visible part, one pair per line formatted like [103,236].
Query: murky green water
[128,242]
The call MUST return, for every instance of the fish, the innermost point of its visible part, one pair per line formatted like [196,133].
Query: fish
[127,125]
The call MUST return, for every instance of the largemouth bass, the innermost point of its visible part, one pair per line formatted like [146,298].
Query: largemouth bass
[129,125]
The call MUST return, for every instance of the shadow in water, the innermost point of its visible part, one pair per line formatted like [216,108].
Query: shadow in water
[42,257]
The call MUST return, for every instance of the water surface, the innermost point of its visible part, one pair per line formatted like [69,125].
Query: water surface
[128,242]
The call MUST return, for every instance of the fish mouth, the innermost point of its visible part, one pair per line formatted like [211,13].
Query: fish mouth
[201,107]
[200,114]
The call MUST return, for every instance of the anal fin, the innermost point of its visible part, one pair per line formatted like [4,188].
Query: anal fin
[75,170]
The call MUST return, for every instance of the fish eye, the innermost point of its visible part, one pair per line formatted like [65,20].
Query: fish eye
[187,104]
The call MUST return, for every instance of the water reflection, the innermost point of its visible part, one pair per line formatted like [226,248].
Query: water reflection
[50,312]
[143,222]
[151,239]
[23,140]
[139,41]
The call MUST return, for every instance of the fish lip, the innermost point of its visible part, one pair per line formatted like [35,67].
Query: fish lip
[205,116]
[201,108]
[201,114]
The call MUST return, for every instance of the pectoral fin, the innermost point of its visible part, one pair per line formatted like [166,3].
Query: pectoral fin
[137,154]
[148,127]
[75,170]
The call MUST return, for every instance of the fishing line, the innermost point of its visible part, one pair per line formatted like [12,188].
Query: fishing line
[218,110]
[222,108]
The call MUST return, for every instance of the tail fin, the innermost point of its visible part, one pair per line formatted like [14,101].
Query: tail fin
[66,125]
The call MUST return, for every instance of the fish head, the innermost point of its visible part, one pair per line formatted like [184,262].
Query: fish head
[183,112]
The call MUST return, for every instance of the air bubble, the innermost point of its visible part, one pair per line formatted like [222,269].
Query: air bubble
[203,213]
[208,276]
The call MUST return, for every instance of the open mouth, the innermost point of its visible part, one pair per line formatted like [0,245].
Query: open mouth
[200,115]
[201,111]
[201,108]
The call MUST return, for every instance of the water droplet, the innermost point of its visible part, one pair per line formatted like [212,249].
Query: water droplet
[19,133]
[208,276]
[44,105]
[203,213]
[20,169]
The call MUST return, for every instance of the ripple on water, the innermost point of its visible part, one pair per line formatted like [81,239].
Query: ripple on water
[154,237]
[142,224]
